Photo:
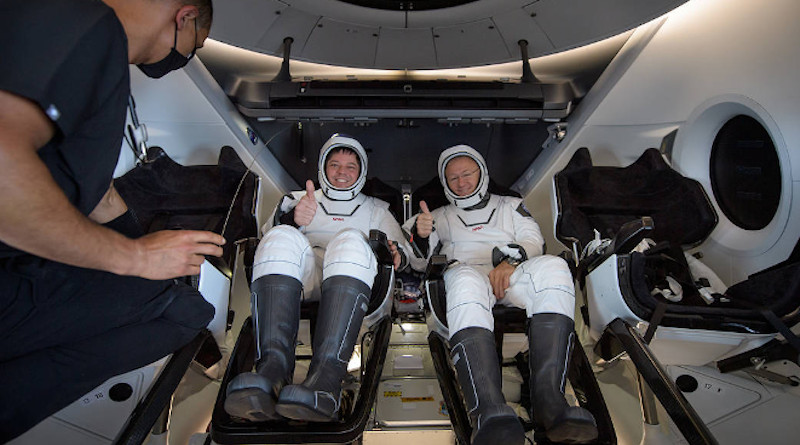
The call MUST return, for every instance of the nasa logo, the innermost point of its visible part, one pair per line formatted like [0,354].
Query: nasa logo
[475,229]
[337,219]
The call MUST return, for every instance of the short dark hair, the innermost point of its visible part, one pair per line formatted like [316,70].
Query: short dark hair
[344,149]
[205,11]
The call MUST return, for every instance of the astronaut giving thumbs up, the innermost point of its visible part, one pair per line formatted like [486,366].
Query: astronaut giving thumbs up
[306,208]
[499,251]
[424,222]
[316,249]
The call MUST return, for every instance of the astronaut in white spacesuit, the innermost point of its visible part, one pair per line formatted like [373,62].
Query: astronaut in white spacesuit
[316,249]
[498,249]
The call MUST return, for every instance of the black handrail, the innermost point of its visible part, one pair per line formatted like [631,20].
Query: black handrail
[157,399]
[679,409]
[450,391]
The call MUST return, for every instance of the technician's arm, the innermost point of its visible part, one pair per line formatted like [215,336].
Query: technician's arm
[110,206]
[36,216]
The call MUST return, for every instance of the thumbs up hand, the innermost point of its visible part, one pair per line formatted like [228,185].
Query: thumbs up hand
[424,221]
[307,207]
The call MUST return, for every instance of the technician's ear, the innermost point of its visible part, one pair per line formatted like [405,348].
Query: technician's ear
[185,15]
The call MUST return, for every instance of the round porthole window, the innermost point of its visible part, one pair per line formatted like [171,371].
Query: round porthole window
[746,173]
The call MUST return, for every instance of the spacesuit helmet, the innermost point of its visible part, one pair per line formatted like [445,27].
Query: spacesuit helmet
[481,189]
[338,141]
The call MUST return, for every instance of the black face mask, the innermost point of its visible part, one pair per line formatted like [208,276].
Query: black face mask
[173,61]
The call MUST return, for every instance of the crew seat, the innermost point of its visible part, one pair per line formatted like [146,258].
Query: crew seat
[644,302]
[648,199]
[507,320]
[356,405]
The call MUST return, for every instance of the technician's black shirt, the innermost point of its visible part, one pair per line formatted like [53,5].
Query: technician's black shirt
[70,57]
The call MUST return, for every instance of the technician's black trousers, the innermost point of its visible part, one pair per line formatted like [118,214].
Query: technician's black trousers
[65,330]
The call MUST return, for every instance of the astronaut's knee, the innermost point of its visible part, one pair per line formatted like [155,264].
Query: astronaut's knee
[547,268]
[287,238]
[349,253]
[281,251]
[552,262]
[543,284]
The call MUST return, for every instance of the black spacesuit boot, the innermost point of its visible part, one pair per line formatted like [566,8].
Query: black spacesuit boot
[551,337]
[342,307]
[475,358]
[276,316]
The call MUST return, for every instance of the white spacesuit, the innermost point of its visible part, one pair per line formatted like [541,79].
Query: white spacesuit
[480,230]
[540,283]
[328,259]
[333,244]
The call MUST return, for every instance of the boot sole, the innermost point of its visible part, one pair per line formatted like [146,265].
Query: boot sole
[302,412]
[500,430]
[573,432]
[251,404]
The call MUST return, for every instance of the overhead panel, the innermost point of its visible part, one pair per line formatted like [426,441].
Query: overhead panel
[477,32]
[518,25]
[330,36]
[464,13]
[473,43]
[405,5]
[405,48]
[451,101]
[572,23]
[290,23]
[242,22]
[352,13]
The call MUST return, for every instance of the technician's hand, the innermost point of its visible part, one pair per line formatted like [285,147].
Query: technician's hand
[396,257]
[500,278]
[424,221]
[175,253]
[305,210]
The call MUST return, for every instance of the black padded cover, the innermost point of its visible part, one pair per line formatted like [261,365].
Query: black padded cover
[777,290]
[604,198]
[166,195]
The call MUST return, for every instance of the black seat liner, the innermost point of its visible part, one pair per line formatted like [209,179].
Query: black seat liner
[605,198]
[166,195]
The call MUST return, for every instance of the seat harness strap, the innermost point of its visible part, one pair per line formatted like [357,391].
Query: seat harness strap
[781,327]
[655,320]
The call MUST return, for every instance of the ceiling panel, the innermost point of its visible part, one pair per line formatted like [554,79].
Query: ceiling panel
[518,25]
[572,23]
[290,23]
[347,12]
[405,48]
[477,33]
[243,22]
[329,37]
[465,13]
[471,43]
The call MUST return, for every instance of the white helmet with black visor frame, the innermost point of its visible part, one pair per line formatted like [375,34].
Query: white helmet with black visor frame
[338,141]
[480,191]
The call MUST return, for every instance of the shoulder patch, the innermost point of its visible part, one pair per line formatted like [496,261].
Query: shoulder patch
[522,210]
